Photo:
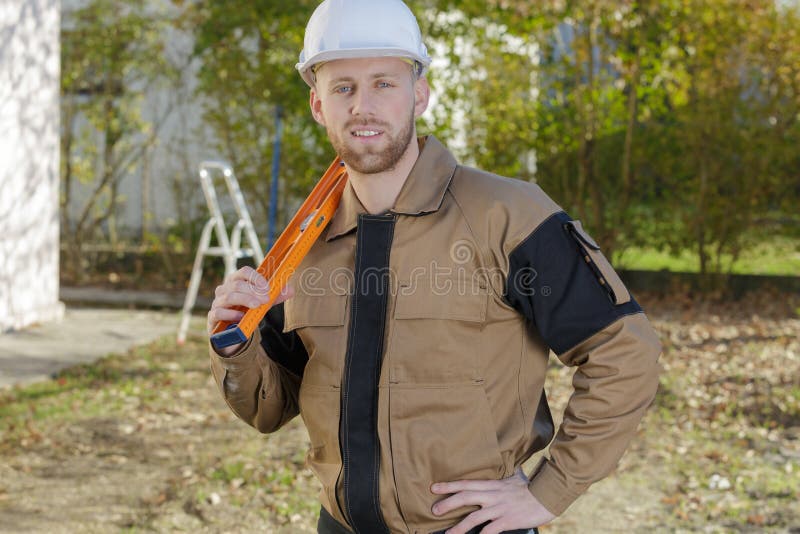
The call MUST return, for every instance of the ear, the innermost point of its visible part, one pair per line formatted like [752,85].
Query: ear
[316,107]
[422,95]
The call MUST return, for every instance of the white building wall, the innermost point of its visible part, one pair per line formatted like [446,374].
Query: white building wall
[29,162]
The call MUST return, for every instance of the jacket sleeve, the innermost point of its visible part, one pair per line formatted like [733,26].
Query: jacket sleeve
[563,285]
[261,382]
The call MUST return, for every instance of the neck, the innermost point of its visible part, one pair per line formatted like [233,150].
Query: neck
[378,192]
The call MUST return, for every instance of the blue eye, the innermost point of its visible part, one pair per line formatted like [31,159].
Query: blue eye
[343,89]
[384,84]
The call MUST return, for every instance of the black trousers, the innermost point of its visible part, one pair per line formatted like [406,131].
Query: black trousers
[328,525]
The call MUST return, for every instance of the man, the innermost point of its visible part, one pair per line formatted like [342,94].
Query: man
[414,338]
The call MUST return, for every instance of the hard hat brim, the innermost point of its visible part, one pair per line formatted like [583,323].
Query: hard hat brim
[304,67]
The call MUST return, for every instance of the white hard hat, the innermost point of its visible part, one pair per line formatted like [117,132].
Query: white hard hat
[341,29]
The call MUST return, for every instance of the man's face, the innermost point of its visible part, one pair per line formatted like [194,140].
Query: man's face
[368,107]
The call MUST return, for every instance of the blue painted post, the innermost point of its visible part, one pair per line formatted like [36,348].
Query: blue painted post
[276,162]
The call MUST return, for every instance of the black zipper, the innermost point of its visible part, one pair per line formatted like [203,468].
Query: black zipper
[365,343]
[583,245]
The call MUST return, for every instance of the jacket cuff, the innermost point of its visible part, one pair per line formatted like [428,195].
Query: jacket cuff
[551,489]
[245,354]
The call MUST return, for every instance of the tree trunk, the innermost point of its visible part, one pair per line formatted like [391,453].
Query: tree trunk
[583,149]
[588,159]
[627,152]
[700,228]
[67,139]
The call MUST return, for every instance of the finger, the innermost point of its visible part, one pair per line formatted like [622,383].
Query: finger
[216,315]
[474,519]
[286,293]
[442,488]
[258,283]
[225,314]
[237,298]
[234,284]
[245,273]
[461,499]
[256,289]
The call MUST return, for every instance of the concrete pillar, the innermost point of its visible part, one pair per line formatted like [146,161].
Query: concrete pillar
[29,162]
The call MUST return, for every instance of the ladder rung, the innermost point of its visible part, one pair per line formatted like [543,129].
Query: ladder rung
[219,251]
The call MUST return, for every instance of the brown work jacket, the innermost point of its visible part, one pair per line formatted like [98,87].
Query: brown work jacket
[417,345]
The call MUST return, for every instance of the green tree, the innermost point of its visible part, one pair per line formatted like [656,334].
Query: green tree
[566,83]
[670,124]
[247,52]
[111,53]
[654,122]
[723,152]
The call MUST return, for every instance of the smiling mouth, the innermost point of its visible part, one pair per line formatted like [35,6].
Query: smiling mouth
[365,133]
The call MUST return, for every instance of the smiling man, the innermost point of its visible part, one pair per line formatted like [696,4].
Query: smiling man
[368,107]
[415,337]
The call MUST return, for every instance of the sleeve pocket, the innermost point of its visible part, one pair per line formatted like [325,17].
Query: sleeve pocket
[606,276]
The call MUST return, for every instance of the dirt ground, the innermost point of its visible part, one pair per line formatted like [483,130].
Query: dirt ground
[142,442]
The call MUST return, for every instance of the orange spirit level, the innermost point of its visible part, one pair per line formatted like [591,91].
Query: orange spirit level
[287,253]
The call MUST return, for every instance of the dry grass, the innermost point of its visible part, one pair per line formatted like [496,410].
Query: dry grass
[143,442]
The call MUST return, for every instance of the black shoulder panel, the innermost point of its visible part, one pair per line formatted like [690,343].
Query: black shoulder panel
[554,282]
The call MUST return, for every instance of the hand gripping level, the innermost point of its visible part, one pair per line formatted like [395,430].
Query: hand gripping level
[287,253]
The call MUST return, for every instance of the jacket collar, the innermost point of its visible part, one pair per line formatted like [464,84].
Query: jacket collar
[422,192]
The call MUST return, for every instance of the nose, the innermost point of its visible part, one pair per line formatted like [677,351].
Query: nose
[363,103]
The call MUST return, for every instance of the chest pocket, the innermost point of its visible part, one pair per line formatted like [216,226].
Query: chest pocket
[436,334]
[320,323]
[469,305]
[310,310]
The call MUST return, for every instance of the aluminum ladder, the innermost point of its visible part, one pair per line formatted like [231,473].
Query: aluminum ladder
[229,248]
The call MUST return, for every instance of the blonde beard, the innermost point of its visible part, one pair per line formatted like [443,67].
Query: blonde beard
[372,162]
